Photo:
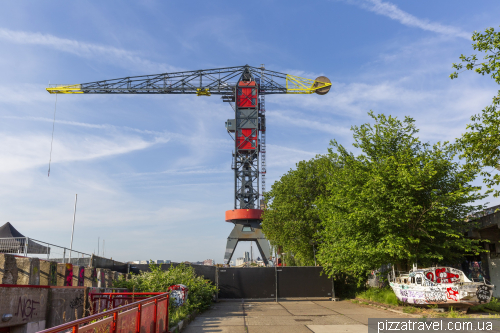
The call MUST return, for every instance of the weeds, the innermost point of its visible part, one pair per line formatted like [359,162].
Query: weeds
[200,294]
[493,305]
[380,295]
[411,309]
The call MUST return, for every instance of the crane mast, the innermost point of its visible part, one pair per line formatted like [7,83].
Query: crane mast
[244,87]
[262,106]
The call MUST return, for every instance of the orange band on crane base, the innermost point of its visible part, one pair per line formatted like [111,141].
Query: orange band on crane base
[243,214]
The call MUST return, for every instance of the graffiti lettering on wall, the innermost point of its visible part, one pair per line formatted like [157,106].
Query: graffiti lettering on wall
[26,308]
[76,302]
[53,275]
[474,271]
[81,276]
[69,275]
[452,293]
[483,293]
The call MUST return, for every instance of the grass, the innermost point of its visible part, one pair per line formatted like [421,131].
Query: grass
[411,309]
[380,295]
[493,305]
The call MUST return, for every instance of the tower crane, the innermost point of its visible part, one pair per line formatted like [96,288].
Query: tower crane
[244,88]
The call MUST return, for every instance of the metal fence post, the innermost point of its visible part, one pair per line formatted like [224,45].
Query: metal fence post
[217,283]
[276,280]
[155,316]
[114,323]
[168,309]
[64,256]
[26,247]
[138,327]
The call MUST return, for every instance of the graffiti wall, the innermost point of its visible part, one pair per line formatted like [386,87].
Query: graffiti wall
[66,304]
[24,303]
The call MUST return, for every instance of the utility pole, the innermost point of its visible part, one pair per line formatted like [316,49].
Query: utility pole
[73,229]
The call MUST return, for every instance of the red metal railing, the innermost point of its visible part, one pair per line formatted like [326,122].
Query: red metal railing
[106,301]
[149,315]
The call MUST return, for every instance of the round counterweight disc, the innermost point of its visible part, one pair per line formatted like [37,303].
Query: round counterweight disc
[324,90]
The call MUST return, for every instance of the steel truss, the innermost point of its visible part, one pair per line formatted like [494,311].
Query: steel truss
[218,81]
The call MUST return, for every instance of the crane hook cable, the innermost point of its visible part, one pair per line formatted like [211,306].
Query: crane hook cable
[52,141]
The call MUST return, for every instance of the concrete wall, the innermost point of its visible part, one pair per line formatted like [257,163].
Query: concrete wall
[78,276]
[494,270]
[90,277]
[109,277]
[26,304]
[100,262]
[66,304]
[48,273]
[101,278]
[64,275]
[31,327]
[8,269]
[28,271]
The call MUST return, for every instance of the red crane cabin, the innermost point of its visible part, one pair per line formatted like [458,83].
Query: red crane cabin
[246,138]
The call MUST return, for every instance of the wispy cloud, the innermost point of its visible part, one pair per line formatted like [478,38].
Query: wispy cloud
[174,172]
[307,123]
[82,49]
[26,151]
[393,12]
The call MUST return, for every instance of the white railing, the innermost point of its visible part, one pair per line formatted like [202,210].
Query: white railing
[29,247]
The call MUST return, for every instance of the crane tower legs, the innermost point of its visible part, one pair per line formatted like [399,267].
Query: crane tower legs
[250,231]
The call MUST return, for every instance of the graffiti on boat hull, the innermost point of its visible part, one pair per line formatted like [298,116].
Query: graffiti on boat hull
[440,285]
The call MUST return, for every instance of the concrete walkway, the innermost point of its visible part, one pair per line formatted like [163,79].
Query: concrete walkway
[287,317]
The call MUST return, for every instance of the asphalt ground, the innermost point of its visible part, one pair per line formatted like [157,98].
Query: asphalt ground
[304,316]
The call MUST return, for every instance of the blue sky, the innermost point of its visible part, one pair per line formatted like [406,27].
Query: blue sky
[153,173]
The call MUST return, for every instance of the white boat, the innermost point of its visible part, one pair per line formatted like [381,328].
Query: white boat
[444,286]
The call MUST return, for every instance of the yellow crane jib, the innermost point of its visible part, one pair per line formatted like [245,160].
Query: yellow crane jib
[300,85]
[203,92]
[65,89]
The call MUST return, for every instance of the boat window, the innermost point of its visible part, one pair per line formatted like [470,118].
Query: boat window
[419,279]
[412,280]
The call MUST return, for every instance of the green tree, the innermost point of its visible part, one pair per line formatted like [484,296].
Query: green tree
[291,220]
[399,201]
[479,145]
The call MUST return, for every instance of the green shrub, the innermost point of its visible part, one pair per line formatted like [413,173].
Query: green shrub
[201,291]
[380,295]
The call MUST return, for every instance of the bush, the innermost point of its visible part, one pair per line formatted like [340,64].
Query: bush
[380,295]
[200,294]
